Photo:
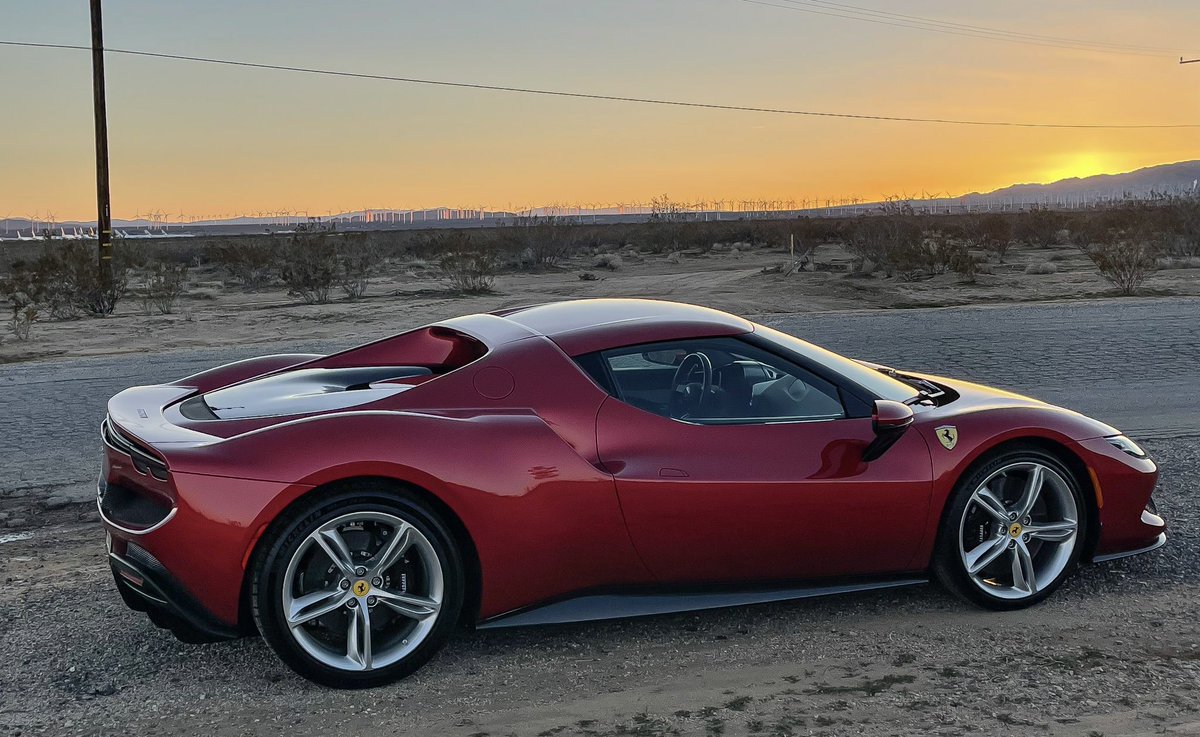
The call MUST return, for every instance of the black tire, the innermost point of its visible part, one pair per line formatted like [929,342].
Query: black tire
[948,565]
[268,571]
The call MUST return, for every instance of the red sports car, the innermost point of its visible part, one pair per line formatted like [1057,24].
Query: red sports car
[586,460]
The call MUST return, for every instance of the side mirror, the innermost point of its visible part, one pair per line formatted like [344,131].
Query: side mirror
[890,421]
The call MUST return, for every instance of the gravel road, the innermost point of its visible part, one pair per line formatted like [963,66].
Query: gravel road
[1117,651]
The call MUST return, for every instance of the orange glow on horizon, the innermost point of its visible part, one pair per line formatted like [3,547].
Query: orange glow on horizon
[202,140]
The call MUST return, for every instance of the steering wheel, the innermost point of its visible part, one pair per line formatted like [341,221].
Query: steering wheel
[686,398]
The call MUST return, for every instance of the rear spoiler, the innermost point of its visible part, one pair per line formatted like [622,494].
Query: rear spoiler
[139,412]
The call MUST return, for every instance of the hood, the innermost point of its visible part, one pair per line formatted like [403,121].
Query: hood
[965,398]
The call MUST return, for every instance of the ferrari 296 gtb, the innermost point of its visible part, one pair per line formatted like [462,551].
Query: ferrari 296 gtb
[586,460]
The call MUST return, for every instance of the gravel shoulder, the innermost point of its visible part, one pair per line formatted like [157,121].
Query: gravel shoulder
[1116,651]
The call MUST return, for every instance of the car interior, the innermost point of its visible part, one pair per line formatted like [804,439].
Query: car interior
[720,382]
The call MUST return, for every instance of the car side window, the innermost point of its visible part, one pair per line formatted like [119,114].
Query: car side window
[719,381]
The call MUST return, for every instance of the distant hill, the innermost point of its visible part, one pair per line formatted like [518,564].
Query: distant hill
[1180,177]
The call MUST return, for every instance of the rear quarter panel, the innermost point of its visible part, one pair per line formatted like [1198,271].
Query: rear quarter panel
[545,522]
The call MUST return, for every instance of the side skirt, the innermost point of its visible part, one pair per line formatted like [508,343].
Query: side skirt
[594,607]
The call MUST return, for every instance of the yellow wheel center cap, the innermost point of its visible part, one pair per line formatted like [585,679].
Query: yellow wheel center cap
[361,588]
[1015,529]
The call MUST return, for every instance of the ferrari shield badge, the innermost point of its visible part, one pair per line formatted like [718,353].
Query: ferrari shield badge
[948,435]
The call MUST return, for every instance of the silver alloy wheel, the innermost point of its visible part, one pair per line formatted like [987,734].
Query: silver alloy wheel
[1018,530]
[363,591]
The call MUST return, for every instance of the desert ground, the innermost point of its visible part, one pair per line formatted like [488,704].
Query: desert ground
[1115,652]
[405,293]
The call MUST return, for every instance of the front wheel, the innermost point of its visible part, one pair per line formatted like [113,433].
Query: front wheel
[1013,530]
[358,588]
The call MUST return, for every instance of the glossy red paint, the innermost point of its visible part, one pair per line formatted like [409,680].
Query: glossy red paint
[764,502]
[562,488]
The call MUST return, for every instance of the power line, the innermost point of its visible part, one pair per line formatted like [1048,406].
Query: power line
[899,20]
[610,98]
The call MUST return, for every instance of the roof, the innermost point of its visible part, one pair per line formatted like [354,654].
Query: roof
[587,325]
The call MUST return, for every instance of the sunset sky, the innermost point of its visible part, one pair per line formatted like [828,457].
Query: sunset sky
[209,140]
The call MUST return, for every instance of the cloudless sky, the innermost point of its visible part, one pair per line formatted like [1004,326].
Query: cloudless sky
[212,140]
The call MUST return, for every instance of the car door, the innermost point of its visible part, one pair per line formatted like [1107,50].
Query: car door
[772,495]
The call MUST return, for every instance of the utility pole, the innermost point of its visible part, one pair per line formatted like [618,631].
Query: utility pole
[103,200]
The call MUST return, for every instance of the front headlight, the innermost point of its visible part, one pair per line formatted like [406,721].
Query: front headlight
[1123,443]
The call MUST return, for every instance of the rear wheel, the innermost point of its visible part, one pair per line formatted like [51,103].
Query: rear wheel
[358,588]
[1013,530]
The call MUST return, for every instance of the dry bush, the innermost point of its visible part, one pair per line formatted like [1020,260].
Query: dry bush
[1123,260]
[467,265]
[544,240]
[1126,241]
[309,268]
[966,265]
[892,242]
[165,285]
[22,322]
[252,262]
[939,250]
[993,232]
[1040,227]
[610,261]
[65,279]
[357,258]
[665,210]
[1183,227]
[1041,267]
[470,272]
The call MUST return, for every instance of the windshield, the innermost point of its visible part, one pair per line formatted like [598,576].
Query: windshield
[878,383]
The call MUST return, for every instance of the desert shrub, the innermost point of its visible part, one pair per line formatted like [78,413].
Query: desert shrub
[544,240]
[610,261]
[250,261]
[966,265]
[357,258]
[65,279]
[470,272]
[1041,267]
[865,241]
[135,254]
[22,322]
[165,284]
[1123,260]
[1039,227]
[1183,227]
[938,252]
[892,242]
[993,232]
[665,210]
[309,268]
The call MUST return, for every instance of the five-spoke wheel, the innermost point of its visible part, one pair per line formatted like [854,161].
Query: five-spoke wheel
[1013,530]
[360,591]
